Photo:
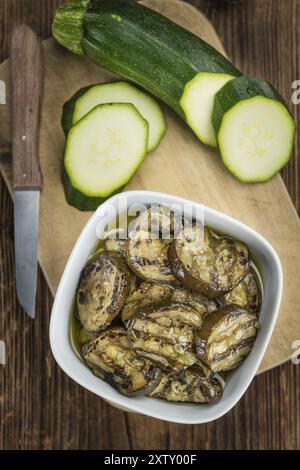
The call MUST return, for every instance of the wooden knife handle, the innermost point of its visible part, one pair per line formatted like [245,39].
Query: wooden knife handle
[27,75]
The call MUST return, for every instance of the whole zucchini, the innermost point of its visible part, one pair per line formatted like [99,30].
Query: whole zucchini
[143,46]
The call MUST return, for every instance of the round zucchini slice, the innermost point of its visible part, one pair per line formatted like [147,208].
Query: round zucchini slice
[247,294]
[166,334]
[148,258]
[110,357]
[104,150]
[103,287]
[207,263]
[255,130]
[188,386]
[226,338]
[154,293]
[197,103]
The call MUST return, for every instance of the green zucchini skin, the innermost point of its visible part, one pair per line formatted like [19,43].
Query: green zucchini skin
[77,199]
[68,110]
[140,45]
[238,89]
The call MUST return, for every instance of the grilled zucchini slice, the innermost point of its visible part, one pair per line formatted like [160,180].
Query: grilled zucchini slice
[196,300]
[189,386]
[116,240]
[247,294]
[115,244]
[154,293]
[226,338]
[207,263]
[148,258]
[146,294]
[103,287]
[110,357]
[166,334]
[159,220]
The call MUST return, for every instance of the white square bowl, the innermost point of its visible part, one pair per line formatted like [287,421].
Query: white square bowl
[239,380]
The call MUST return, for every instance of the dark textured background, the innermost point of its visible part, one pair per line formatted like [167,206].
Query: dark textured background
[40,407]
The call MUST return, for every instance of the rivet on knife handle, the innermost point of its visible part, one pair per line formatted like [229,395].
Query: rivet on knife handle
[27,89]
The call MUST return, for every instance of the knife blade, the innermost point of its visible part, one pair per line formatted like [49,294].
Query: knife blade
[27,73]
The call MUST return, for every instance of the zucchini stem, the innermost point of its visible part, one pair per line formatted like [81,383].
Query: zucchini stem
[68,24]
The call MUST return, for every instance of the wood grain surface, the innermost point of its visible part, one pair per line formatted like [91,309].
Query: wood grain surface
[27,68]
[39,406]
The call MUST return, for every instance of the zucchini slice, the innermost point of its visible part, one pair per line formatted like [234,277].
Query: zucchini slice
[197,103]
[247,294]
[103,151]
[115,241]
[148,258]
[159,221]
[103,287]
[110,357]
[195,299]
[116,92]
[255,131]
[207,263]
[188,385]
[154,293]
[146,294]
[226,338]
[165,334]
[68,110]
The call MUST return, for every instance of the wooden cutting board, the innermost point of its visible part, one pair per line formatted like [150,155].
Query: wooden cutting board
[181,166]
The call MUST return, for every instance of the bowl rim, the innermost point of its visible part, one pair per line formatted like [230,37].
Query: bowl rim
[131,404]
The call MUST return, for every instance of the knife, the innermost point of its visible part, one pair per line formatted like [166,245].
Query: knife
[27,74]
